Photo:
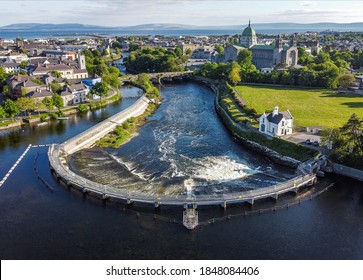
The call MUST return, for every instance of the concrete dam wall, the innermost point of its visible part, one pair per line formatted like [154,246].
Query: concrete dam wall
[90,136]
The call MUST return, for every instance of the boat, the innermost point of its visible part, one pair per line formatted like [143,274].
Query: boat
[42,123]
[62,118]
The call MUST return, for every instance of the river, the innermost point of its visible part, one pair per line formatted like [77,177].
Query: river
[52,222]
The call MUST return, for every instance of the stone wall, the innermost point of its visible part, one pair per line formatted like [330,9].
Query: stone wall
[348,171]
[271,154]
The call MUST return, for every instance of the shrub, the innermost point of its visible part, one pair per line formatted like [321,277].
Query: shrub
[82,108]
[43,117]
[53,115]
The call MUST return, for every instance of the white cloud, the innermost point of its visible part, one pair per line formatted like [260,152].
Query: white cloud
[308,3]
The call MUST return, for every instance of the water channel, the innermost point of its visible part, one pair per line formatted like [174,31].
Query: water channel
[183,149]
[183,145]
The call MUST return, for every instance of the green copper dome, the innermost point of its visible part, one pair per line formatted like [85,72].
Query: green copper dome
[249,31]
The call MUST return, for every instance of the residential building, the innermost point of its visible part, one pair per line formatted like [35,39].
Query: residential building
[276,123]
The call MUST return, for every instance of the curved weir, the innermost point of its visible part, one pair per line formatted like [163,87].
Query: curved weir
[183,156]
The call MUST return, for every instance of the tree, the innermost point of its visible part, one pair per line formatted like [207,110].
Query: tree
[346,80]
[101,89]
[57,101]
[11,108]
[56,88]
[38,105]
[23,64]
[56,73]
[96,53]
[25,104]
[6,90]
[2,113]
[118,51]
[188,52]
[244,57]
[303,56]
[48,103]
[105,52]
[100,68]
[234,74]
[178,52]
[352,130]
[219,49]
[322,57]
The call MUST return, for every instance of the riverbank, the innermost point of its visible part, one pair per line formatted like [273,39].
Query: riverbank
[278,150]
[115,96]
[127,130]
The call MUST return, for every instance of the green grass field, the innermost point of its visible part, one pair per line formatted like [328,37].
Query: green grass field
[309,107]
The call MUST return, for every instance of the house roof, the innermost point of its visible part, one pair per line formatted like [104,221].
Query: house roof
[51,67]
[65,93]
[77,87]
[40,93]
[263,47]
[10,64]
[29,83]
[278,118]
[79,71]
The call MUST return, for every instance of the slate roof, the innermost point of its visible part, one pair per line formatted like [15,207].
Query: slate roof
[9,64]
[51,67]
[278,118]
[40,93]
[263,47]
[77,87]
[79,71]
[65,93]
[237,47]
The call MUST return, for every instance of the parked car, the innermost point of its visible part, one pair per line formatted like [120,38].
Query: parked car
[316,143]
[308,141]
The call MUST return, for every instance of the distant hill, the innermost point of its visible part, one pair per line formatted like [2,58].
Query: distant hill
[50,27]
[293,27]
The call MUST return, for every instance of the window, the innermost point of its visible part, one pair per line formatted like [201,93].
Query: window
[283,123]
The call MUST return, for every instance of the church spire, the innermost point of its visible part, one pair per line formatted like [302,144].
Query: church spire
[249,23]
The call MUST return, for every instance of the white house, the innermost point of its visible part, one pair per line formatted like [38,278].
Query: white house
[276,123]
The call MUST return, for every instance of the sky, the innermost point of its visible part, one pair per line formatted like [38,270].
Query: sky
[190,12]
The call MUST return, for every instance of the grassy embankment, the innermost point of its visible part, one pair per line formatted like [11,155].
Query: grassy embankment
[281,146]
[128,129]
[310,107]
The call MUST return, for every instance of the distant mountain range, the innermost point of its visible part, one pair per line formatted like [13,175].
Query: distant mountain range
[76,27]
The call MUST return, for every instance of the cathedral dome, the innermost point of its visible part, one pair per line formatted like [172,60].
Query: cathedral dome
[249,31]
[248,37]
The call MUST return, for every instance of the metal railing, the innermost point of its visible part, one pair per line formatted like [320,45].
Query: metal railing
[55,159]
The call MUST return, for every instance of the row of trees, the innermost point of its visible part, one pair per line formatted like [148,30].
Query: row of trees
[96,66]
[347,142]
[154,60]
[321,73]
[26,105]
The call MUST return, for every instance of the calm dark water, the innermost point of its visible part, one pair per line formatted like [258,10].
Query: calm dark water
[42,223]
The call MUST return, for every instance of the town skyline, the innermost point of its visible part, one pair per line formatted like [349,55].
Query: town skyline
[199,13]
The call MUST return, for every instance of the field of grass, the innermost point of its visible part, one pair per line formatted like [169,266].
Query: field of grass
[309,107]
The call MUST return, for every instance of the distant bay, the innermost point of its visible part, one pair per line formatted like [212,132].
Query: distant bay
[34,34]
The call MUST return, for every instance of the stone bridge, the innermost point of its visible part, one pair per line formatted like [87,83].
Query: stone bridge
[158,78]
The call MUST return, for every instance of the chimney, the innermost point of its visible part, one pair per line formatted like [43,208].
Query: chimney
[275,112]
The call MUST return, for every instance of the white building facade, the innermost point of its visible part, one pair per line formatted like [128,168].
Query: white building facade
[276,123]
